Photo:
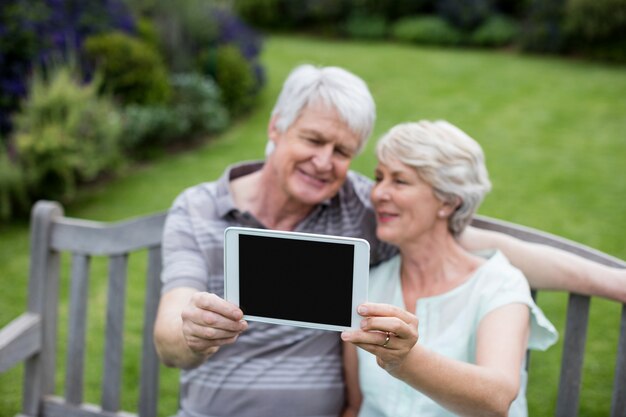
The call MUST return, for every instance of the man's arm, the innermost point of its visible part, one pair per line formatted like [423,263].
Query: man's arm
[191,326]
[549,268]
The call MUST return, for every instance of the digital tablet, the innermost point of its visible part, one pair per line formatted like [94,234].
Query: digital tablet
[298,279]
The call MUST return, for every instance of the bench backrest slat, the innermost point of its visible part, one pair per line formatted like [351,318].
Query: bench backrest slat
[618,402]
[148,399]
[77,329]
[573,354]
[43,290]
[114,333]
[97,238]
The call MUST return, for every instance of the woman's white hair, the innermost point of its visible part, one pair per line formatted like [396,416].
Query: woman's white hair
[333,87]
[446,158]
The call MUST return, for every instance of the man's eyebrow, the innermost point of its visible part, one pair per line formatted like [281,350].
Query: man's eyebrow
[312,132]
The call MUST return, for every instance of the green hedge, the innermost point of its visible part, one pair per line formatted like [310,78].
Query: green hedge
[132,69]
[65,134]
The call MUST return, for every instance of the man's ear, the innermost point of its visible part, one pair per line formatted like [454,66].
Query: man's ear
[272,131]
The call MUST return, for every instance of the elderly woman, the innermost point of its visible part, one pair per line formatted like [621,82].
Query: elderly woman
[446,330]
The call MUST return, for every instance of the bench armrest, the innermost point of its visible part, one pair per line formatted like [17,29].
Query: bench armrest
[19,340]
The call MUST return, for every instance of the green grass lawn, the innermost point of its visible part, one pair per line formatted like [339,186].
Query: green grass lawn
[554,133]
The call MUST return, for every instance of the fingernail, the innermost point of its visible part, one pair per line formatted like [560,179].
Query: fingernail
[362,310]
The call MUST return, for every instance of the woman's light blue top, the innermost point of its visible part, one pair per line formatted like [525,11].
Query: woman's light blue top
[447,324]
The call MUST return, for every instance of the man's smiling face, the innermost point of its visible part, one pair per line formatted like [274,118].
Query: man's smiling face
[311,159]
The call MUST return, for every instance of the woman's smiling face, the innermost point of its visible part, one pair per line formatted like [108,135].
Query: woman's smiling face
[406,206]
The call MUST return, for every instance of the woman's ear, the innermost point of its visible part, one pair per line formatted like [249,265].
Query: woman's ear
[449,207]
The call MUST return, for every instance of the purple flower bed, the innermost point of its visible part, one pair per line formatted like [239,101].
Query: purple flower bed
[36,32]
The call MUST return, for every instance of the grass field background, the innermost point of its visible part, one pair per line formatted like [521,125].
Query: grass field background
[554,132]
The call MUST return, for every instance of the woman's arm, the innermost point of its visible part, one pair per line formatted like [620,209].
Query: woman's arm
[550,268]
[482,389]
[351,375]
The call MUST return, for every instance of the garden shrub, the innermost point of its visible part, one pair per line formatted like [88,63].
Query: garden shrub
[497,30]
[266,14]
[597,28]
[197,99]
[132,70]
[426,30]
[365,26]
[312,13]
[514,9]
[33,31]
[542,29]
[392,10]
[233,31]
[13,197]
[464,14]
[195,110]
[65,134]
[235,78]
[148,128]
[192,34]
[184,28]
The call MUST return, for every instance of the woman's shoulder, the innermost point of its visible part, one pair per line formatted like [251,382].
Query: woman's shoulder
[498,272]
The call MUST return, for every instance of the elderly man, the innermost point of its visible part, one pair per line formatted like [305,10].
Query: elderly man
[321,120]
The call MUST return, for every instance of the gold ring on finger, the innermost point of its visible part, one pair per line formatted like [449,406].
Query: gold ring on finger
[386,340]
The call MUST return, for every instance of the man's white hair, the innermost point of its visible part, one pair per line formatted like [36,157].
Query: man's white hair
[330,86]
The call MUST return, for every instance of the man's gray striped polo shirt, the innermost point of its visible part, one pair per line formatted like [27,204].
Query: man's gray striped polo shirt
[271,370]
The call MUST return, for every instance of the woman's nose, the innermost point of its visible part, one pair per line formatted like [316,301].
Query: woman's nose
[379,192]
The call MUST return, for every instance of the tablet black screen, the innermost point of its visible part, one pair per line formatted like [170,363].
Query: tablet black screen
[295,279]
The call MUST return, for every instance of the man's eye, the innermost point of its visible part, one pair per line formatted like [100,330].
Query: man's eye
[343,153]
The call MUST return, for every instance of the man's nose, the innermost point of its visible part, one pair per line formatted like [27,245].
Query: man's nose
[323,158]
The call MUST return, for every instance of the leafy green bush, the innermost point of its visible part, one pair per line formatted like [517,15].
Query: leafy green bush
[392,10]
[597,28]
[184,28]
[464,14]
[65,134]
[365,26]
[426,30]
[32,31]
[197,99]
[148,128]
[196,35]
[13,197]
[132,70]
[543,26]
[195,110]
[262,13]
[236,79]
[498,30]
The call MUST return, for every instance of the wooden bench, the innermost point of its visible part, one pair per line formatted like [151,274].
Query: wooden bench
[32,337]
